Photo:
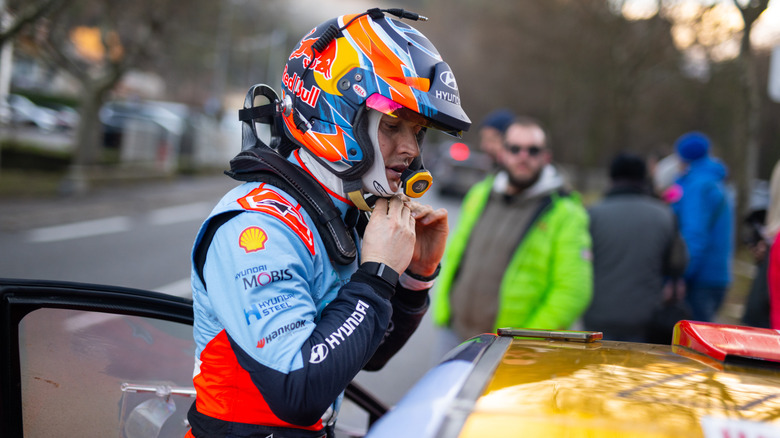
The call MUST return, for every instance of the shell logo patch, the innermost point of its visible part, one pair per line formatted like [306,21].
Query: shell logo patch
[268,201]
[252,239]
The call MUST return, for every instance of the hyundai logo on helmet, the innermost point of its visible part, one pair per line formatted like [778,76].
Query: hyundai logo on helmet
[318,353]
[449,79]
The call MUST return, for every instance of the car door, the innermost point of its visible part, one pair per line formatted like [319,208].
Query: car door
[90,360]
[95,360]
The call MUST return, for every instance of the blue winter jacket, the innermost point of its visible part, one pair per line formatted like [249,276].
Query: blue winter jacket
[705,214]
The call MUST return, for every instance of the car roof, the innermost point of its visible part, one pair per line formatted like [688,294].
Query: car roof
[712,379]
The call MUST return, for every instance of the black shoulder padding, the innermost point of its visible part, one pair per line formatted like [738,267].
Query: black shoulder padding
[262,164]
[202,248]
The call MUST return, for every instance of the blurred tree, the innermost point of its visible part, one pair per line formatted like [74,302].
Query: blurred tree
[224,49]
[748,113]
[25,13]
[769,135]
[717,45]
[99,41]
[624,77]
[601,79]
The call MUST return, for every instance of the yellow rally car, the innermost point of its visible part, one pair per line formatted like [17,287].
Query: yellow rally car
[96,360]
[715,381]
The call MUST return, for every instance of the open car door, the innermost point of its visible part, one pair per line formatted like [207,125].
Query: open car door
[94,360]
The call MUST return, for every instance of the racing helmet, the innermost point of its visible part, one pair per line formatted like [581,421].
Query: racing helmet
[350,69]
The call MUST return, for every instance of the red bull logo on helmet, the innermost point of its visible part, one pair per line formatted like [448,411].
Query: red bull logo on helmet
[295,84]
[304,48]
[323,63]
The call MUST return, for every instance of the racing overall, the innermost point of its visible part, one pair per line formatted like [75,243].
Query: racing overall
[280,330]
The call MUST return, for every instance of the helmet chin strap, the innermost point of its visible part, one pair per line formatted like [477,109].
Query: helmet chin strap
[327,178]
[357,198]
[374,182]
[375,179]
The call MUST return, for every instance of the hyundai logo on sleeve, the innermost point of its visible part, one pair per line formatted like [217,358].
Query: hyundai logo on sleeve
[318,353]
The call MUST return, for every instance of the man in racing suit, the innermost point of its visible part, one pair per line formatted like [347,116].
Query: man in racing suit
[281,325]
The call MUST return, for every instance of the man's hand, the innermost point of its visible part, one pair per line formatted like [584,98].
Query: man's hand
[431,229]
[759,251]
[390,234]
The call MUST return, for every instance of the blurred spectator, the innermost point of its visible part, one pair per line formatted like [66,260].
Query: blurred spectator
[705,215]
[756,312]
[759,221]
[520,255]
[773,279]
[636,246]
[491,132]
[772,228]
[664,175]
[772,231]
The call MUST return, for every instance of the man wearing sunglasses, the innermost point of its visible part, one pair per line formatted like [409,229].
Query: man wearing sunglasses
[520,254]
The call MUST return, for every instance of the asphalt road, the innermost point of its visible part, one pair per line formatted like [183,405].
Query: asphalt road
[140,237]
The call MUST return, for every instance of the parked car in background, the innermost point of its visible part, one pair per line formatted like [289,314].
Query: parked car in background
[23,112]
[170,117]
[712,381]
[458,167]
[67,117]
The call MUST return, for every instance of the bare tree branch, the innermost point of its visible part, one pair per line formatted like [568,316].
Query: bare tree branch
[31,12]
[752,10]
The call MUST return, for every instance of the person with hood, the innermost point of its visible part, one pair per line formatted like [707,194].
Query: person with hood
[319,264]
[520,255]
[705,216]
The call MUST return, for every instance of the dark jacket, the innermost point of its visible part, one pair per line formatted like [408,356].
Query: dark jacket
[635,246]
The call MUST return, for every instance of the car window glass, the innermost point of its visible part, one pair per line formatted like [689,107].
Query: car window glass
[75,364]
[353,420]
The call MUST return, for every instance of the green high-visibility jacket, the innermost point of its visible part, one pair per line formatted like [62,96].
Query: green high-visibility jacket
[549,281]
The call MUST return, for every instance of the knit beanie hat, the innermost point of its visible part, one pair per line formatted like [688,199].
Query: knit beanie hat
[628,167]
[499,119]
[692,146]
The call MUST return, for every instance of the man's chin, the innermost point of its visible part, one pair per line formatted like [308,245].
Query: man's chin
[394,185]
[522,183]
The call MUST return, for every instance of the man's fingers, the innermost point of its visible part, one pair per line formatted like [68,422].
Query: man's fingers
[396,206]
[381,206]
[425,214]
[420,209]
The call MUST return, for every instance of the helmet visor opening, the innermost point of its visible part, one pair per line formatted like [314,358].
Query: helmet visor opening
[395,109]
